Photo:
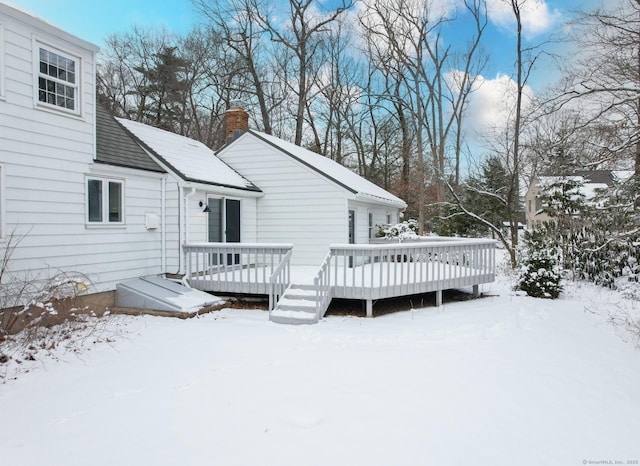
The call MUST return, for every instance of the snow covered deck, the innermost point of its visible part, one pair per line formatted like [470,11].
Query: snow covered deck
[353,271]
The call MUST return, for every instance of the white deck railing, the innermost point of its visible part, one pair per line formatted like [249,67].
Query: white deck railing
[376,271]
[238,267]
[322,285]
[279,280]
[352,271]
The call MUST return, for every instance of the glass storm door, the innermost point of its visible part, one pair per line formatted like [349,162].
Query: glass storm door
[223,222]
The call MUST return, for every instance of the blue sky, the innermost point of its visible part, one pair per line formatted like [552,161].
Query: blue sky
[93,20]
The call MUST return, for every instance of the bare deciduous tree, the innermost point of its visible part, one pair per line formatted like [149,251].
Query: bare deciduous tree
[435,80]
[302,35]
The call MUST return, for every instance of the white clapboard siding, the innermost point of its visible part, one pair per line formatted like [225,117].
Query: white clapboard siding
[299,205]
[60,240]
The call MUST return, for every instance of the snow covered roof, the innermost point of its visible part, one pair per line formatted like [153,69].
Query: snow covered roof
[115,147]
[334,171]
[622,176]
[588,189]
[188,158]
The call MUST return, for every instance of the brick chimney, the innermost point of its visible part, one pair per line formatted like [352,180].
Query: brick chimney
[236,121]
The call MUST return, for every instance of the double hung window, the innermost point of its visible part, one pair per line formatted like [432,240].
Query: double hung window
[57,79]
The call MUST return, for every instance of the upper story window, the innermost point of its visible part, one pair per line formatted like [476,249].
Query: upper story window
[58,79]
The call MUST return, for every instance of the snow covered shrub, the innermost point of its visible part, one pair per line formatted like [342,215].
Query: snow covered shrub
[540,273]
[33,309]
[599,238]
[403,230]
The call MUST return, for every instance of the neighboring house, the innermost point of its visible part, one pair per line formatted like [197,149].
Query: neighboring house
[592,181]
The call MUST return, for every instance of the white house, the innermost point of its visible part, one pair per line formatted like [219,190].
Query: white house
[294,196]
[309,200]
[197,181]
[118,200]
[73,208]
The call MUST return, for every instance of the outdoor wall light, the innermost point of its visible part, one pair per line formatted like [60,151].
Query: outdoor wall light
[206,207]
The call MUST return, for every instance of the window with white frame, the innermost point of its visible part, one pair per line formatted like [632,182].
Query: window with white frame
[105,201]
[58,77]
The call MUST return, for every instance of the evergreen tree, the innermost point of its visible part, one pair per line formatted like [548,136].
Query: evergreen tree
[540,274]
[483,194]
[564,201]
[164,93]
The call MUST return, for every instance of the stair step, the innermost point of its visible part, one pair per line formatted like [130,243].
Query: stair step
[292,317]
[300,297]
[300,291]
[300,309]
[302,303]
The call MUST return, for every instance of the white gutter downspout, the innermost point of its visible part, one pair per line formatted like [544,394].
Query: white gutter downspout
[163,225]
[186,227]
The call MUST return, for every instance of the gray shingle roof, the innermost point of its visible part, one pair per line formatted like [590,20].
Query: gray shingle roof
[597,176]
[114,145]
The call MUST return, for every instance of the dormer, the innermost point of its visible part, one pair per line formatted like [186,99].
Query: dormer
[47,80]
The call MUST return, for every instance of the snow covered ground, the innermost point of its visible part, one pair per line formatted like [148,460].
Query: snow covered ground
[503,380]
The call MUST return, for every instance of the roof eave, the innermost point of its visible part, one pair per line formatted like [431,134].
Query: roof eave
[399,204]
[221,189]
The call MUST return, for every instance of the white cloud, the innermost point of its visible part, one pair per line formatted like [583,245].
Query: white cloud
[493,103]
[536,16]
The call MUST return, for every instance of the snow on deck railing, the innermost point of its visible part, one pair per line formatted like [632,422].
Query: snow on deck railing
[238,267]
[391,268]
[322,285]
[279,280]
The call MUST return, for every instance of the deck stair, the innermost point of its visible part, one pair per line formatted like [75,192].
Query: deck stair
[297,306]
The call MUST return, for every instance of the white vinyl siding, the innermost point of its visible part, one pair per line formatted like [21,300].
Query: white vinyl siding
[299,205]
[46,158]
[2,72]
[2,182]
[370,225]
[368,218]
